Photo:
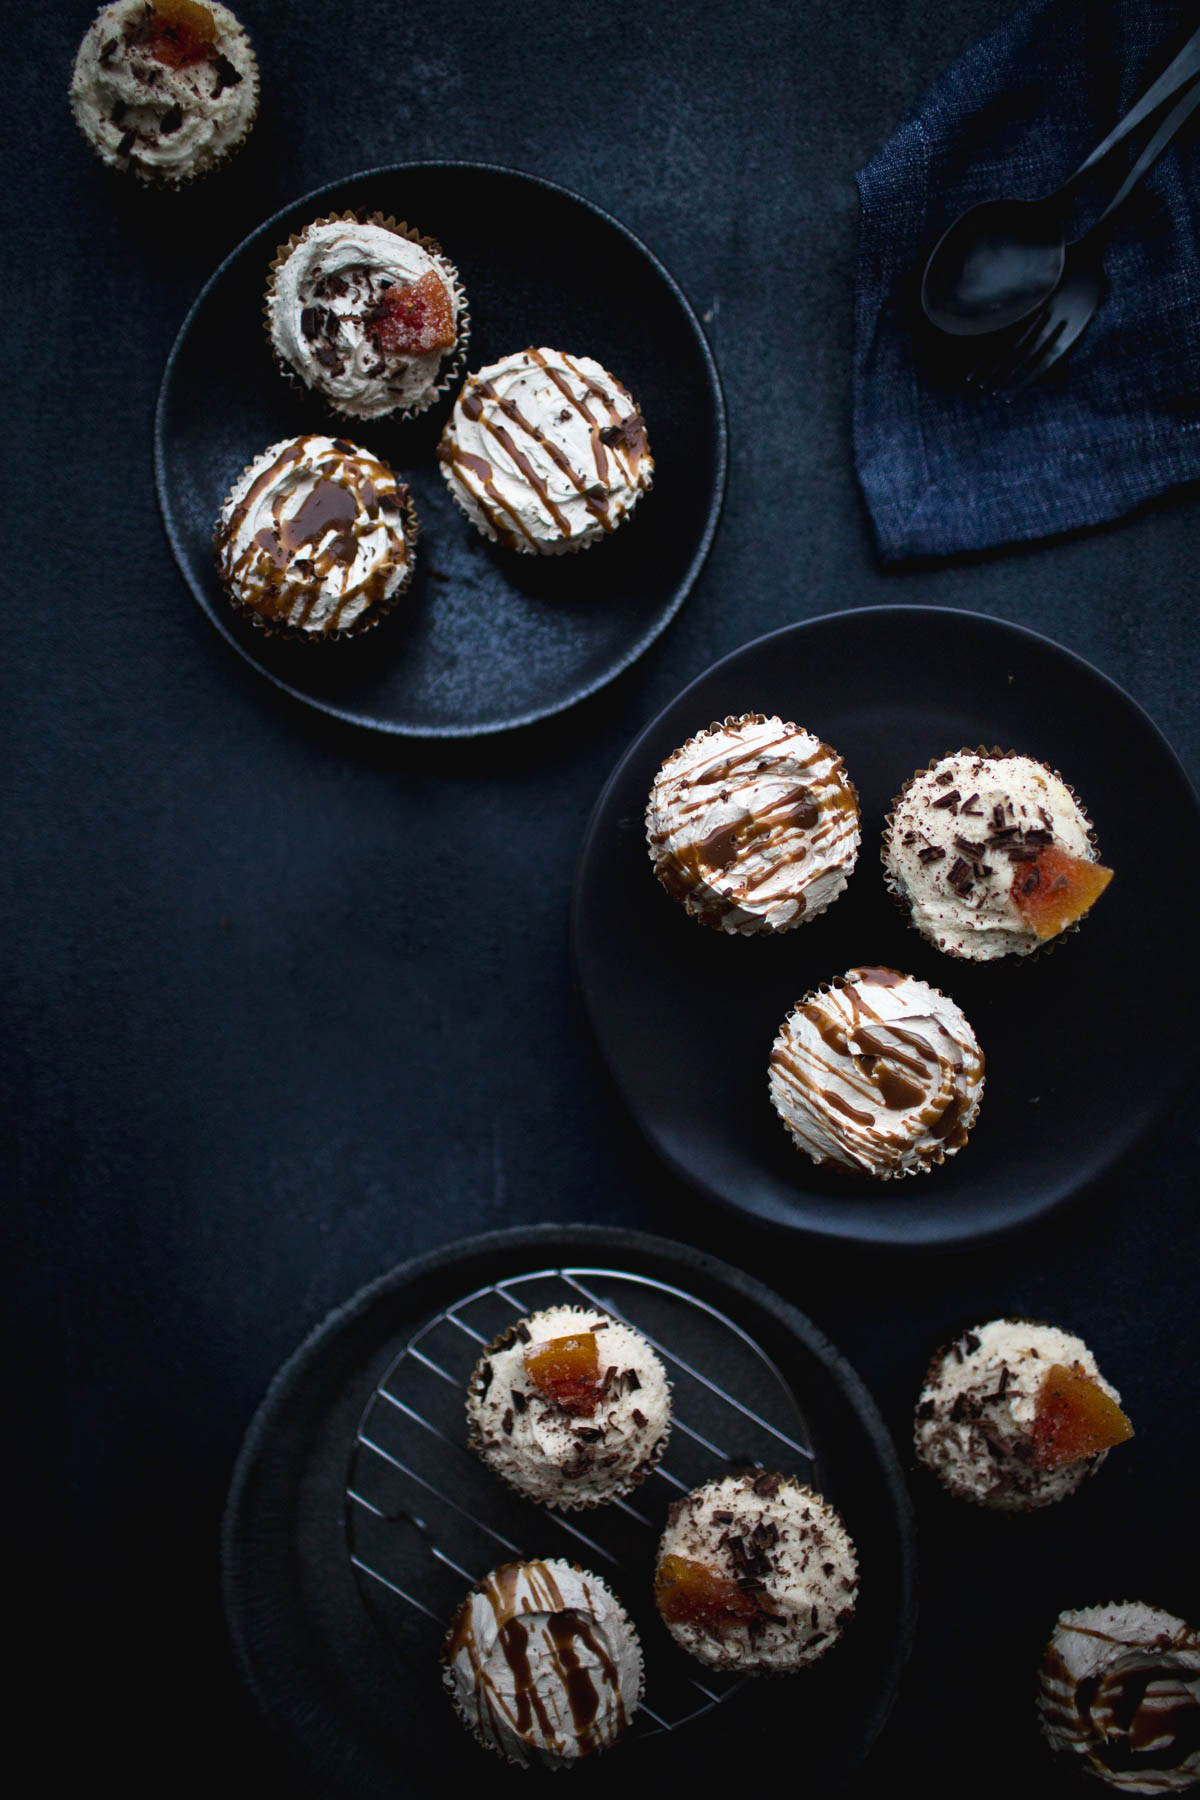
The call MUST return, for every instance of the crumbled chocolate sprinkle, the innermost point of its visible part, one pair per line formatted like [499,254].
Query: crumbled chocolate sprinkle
[639,1418]
[970,1342]
[172,119]
[519,1400]
[926,1409]
[766,1486]
[910,837]
[486,1373]
[227,75]
[506,1423]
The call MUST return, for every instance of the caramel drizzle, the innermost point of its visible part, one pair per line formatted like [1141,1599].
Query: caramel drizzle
[595,497]
[812,816]
[345,492]
[877,1067]
[513,1592]
[1144,1716]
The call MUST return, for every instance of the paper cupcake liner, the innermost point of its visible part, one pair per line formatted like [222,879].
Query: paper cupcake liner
[807,916]
[865,1176]
[469,1718]
[454,361]
[558,546]
[1045,947]
[375,613]
[562,1503]
[162,179]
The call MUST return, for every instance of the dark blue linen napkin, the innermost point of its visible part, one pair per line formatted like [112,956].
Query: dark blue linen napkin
[947,469]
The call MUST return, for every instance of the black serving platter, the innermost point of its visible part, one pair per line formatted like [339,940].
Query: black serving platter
[348,1671]
[485,639]
[1085,1047]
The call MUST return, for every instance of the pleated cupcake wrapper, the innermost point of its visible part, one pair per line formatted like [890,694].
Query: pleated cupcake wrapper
[558,546]
[756,718]
[944,1152]
[378,609]
[455,360]
[469,1718]
[163,179]
[1044,948]
[566,1503]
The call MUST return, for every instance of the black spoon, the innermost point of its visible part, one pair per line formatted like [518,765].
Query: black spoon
[1002,260]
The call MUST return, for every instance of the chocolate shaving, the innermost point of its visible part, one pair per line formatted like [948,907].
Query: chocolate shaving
[639,1418]
[931,853]
[519,1400]
[227,75]
[486,1373]
[172,119]
[948,801]
[506,1423]
[960,877]
[766,1486]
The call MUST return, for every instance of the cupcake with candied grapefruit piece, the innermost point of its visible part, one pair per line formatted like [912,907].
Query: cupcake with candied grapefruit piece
[1015,1415]
[991,855]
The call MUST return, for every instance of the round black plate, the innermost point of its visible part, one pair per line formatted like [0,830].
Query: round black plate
[369,1722]
[1084,1048]
[485,639]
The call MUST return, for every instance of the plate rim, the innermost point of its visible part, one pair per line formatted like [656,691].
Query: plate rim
[607,1240]
[887,1237]
[684,587]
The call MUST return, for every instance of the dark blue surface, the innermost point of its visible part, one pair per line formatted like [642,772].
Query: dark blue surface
[284,1004]
[1118,420]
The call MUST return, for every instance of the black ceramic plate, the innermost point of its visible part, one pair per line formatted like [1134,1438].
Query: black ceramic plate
[485,639]
[351,1679]
[1084,1047]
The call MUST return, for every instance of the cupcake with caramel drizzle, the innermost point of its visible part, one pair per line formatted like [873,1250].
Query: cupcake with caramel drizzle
[755,1573]
[165,88]
[543,1664]
[1016,1415]
[1119,1695]
[545,452]
[316,540]
[877,1074]
[571,1407]
[753,825]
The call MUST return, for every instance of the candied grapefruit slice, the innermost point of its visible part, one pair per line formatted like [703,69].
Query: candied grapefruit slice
[1074,1418]
[566,1370]
[413,320]
[1056,889]
[690,1593]
[182,32]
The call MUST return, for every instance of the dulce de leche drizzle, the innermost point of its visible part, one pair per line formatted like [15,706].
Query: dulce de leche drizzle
[1135,1714]
[531,1660]
[753,824]
[545,447]
[877,1074]
[314,534]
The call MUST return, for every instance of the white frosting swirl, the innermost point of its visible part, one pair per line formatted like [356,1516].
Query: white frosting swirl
[543,1664]
[560,1458]
[166,124]
[879,1074]
[975,1416]
[319,306]
[950,848]
[545,452]
[779,1542]
[314,535]
[1120,1689]
[753,825]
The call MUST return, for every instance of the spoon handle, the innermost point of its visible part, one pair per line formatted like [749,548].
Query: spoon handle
[1174,122]
[1183,70]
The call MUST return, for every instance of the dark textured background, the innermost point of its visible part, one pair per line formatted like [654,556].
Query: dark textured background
[285,1004]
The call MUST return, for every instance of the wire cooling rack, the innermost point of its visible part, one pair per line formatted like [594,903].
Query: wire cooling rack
[425,1519]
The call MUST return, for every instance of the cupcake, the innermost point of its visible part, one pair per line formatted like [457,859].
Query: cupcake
[570,1407]
[316,539]
[545,452]
[543,1664]
[877,1074]
[168,89]
[367,314]
[755,1573]
[991,855]
[753,825]
[1015,1415]
[1119,1691]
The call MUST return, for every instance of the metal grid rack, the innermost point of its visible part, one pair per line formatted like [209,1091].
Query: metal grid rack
[425,1519]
